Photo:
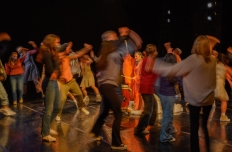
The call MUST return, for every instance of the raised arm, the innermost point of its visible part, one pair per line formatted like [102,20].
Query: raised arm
[35,50]
[81,52]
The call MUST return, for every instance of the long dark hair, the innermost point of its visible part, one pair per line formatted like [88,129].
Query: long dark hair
[223,58]
[106,48]
[48,45]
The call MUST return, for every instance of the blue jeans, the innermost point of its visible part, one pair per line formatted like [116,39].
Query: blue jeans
[167,103]
[52,106]
[3,95]
[149,113]
[17,84]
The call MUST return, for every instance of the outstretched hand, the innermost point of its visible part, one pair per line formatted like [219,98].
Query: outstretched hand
[92,54]
[4,36]
[88,46]
[32,43]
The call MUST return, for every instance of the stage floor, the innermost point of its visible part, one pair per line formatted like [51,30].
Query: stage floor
[22,133]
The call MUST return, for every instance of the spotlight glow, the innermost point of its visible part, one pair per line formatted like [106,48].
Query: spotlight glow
[168,20]
[209,18]
[169,12]
[210,4]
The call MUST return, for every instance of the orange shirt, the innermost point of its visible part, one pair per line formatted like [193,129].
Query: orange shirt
[15,69]
[66,73]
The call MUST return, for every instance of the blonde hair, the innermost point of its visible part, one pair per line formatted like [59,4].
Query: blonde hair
[201,46]
[150,48]
[10,58]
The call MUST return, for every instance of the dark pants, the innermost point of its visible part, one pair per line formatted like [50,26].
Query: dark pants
[194,126]
[111,101]
[118,91]
[149,112]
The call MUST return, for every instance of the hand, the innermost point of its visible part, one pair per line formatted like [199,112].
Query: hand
[54,76]
[1,78]
[4,36]
[123,31]
[88,46]
[32,43]
[92,54]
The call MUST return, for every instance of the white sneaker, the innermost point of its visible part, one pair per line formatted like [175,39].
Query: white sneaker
[224,118]
[7,112]
[49,138]
[98,98]
[85,111]
[97,138]
[86,100]
[53,132]
[58,118]
[75,101]
[121,147]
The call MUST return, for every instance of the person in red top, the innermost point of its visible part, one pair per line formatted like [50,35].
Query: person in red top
[15,70]
[149,113]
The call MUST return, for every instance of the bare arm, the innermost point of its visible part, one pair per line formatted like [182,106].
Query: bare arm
[81,52]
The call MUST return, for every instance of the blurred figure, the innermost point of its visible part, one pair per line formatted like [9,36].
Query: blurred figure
[14,68]
[199,71]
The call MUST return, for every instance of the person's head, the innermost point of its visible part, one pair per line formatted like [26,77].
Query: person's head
[215,53]
[51,43]
[201,46]
[177,51]
[151,49]
[109,36]
[13,57]
[123,31]
[170,58]
[138,56]
[223,58]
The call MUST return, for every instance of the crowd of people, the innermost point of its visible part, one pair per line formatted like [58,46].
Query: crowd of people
[128,80]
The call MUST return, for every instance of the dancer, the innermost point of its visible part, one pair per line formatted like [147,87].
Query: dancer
[167,94]
[149,114]
[67,82]
[50,59]
[108,81]
[88,79]
[199,81]
[14,69]
[31,71]
[220,91]
[3,95]
[136,96]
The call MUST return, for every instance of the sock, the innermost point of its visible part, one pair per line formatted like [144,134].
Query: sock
[223,114]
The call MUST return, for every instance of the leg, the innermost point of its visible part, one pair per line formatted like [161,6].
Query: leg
[111,98]
[194,127]
[84,91]
[64,88]
[154,112]
[49,100]
[57,101]
[20,87]
[76,92]
[13,87]
[167,103]
[146,114]
[95,89]
[104,111]
[3,96]
[206,112]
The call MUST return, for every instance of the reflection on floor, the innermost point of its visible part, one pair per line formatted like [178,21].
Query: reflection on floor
[21,133]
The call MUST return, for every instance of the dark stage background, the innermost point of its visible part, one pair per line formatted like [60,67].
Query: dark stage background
[83,21]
